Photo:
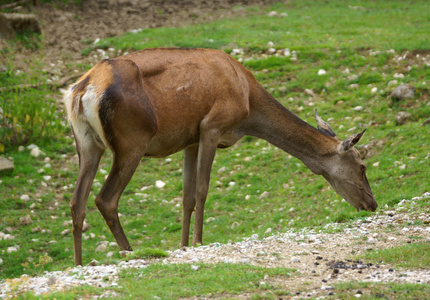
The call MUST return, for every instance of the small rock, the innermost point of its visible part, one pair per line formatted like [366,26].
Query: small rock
[273,13]
[65,232]
[21,148]
[326,287]
[86,226]
[402,117]
[8,237]
[6,165]
[322,72]
[1,261]
[25,220]
[93,263]
[268,230]
[101,248]
[235,224]
[264,195]
[374,90]
[309,92]
[372,240]
[358,108]
[25,197]
[354,86]
[195,267]
[295,260]
[160,184]
[36,229]
[392,82]
[402,92]
[125,253]
[36,152]
[12,249]
[110,254]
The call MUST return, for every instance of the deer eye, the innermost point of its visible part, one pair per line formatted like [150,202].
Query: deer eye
[363,168]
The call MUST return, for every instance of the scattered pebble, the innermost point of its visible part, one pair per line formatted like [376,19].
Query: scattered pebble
[322,72]
[160,184]
[315,253]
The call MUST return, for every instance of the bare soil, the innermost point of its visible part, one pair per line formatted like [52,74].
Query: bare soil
[68,29]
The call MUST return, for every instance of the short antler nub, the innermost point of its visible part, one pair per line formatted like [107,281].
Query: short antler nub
[323,126]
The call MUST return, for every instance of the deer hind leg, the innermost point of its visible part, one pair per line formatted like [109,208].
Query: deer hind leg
[189,175]
[123,168]
[89,157]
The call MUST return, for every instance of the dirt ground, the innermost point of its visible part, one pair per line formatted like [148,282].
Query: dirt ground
[68,29]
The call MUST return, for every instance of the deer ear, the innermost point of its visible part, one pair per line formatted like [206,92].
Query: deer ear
[323,126]
[351,141]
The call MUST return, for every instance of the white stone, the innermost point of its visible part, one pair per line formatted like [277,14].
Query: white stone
[392,82]
[195,267]
[322,72]
[21,148]
[101,248]
[273,13]
[12,249]
[47,177]
[160,184]
[358,108]
[265,194]
[295,259]
[374,90]
[36,152]
[25,197]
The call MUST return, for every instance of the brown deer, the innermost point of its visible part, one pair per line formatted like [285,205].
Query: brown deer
[156,102]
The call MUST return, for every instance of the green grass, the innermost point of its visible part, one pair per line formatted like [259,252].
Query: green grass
[380,291]
[414,255]
[180,281]
[310,25]
[329,36]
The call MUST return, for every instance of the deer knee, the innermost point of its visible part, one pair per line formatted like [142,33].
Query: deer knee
[78,215]
[107,209]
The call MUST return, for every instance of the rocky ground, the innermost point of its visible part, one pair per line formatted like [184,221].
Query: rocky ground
[320,258]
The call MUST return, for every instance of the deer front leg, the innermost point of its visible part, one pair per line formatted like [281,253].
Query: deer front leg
[207,148]
[89,158]
[189,174]
[107,201]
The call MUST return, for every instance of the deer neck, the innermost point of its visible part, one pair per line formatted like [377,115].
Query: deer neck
[274,123]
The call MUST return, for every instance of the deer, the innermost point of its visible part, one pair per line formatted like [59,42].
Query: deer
[156,102]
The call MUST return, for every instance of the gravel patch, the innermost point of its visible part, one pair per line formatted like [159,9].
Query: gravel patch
[320,258]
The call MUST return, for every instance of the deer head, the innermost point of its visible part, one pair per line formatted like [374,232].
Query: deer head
[346,171]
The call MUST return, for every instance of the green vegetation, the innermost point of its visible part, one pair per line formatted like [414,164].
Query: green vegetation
[414,255]
[178,281]
[358,47]
[380,291]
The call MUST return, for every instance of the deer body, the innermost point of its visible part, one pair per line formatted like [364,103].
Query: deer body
[156,102]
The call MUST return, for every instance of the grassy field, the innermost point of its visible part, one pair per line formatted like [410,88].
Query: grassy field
[362,50]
